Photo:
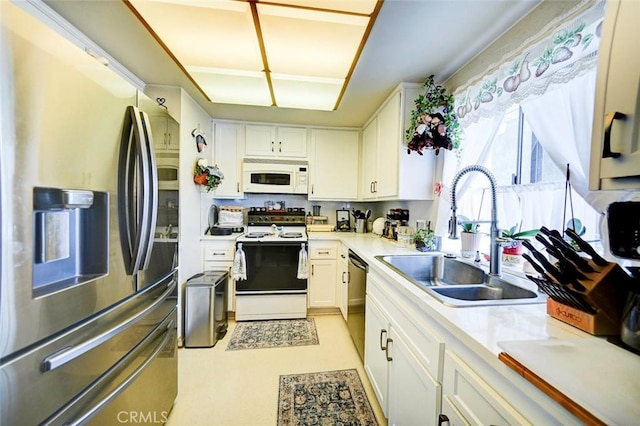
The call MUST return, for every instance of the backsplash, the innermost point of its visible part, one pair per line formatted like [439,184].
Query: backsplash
[418,209]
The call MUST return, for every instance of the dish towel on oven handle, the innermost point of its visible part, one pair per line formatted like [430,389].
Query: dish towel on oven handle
[303,264]
[239,269]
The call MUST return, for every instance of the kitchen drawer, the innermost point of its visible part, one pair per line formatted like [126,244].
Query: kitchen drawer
[322,252]
[474,399]
[218,251]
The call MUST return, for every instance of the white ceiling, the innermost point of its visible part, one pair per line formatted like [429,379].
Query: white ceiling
[410,40]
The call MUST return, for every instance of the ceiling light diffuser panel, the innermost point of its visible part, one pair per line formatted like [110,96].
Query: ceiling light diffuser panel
[288,53]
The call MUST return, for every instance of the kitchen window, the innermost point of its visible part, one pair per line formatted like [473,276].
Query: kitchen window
[517,157]
[525,119]
[532,190]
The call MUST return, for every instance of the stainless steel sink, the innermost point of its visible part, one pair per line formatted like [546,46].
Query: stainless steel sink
[457,283]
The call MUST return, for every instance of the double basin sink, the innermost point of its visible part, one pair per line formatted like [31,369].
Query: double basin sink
[457,283]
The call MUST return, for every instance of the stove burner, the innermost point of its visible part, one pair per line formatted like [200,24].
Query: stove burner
[256,234]
[291,235]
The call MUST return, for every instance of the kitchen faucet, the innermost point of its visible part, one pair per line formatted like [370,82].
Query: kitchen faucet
[494,263]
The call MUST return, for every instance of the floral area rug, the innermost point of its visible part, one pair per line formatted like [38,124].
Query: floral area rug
[328,398]
[273,334]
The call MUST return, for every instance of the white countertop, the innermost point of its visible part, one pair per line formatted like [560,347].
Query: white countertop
[490,330]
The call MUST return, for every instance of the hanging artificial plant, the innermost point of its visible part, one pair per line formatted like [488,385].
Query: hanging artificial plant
[206,175]
[434,124]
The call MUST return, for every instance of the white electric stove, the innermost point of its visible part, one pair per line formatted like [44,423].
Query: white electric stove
[272,246]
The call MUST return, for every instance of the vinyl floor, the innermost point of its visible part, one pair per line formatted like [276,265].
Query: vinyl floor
[217,387]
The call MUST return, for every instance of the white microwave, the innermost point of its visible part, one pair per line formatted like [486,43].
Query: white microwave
[275,176]
[167,166]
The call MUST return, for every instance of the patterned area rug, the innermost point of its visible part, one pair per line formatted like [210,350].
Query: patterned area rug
[273,334]
[328,398]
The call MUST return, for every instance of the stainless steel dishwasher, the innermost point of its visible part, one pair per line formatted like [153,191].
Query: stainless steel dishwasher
[356,291]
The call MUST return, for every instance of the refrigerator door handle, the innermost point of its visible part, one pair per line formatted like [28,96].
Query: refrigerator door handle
[131,214]
[69,353]
[150,192]
[124,384]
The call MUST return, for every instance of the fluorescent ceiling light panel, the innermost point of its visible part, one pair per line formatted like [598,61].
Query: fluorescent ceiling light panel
[362,7]
[292,44]
[210,35]
[306,94]
[233,87]
[310,43]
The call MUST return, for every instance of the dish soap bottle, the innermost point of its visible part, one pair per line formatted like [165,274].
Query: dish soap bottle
[309,218]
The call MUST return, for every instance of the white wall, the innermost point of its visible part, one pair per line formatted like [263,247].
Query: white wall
[192,116]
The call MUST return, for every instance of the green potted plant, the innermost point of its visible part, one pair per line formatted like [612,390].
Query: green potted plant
[469,237]
[512,248]
[426,240]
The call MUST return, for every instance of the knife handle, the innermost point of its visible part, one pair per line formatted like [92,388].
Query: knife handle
[586,247]
[555,273]
[569,252]
[539,269]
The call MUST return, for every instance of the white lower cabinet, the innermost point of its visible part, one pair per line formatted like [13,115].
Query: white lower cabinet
[468,399]
[414,396]
[321,291]
[218,256]
[376,333]
[343,281]
[395,362]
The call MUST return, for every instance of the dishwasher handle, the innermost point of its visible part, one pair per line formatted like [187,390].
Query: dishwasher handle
[357,262]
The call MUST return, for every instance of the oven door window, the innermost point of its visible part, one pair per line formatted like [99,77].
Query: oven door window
[271,268]
[263,178]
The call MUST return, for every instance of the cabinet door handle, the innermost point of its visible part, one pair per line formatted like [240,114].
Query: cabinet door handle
[323,252]
[608,124]
[312,269]
[237,186]
[383,347]
[371,187]
[375,186]
[343,278]
[442,418]
[218,253]
[280,146]
[272,146]
[386,349]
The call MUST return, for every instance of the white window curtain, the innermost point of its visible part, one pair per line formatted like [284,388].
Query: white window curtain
[555,68]
[478,138]
[562,120]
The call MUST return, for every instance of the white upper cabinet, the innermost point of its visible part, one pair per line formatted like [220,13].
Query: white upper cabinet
[615,156]
[227,154]
[334,165]
[369,160]
[388,172]
[275,142]
[165,131]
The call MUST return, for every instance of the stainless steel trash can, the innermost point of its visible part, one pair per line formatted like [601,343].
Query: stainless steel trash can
[205,309]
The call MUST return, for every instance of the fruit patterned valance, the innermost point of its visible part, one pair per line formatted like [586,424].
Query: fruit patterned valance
[569,48]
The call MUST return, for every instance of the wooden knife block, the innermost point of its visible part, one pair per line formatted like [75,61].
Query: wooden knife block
[597,324]
[606,291]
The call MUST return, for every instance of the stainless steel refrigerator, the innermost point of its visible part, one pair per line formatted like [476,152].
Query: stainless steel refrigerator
[87,317]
